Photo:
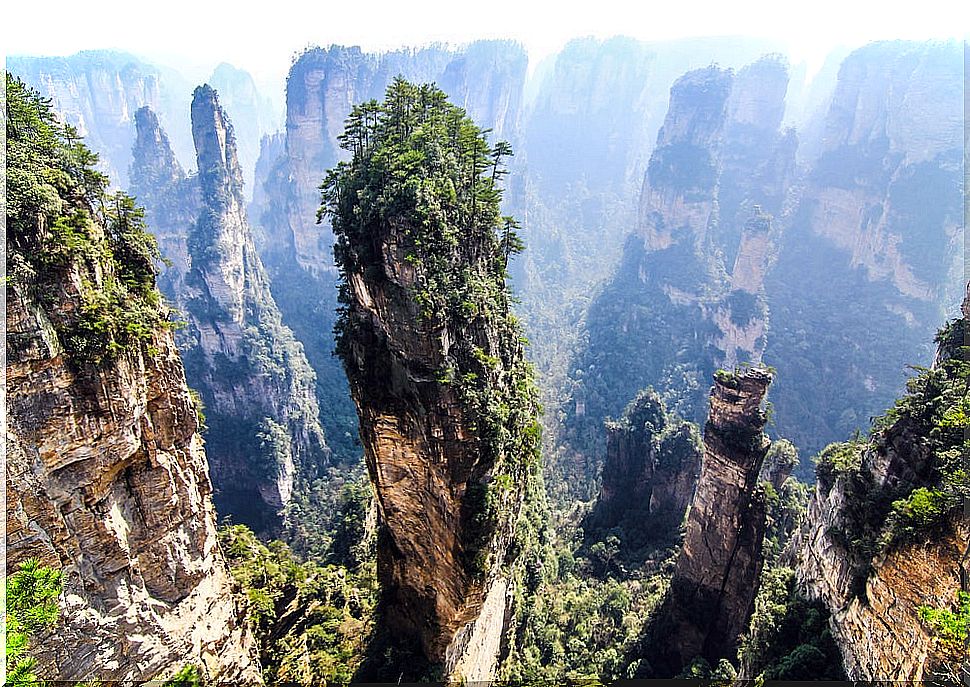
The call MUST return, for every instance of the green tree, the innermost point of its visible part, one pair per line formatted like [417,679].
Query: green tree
[31,611]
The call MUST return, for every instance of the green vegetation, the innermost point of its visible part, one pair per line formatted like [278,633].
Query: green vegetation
[311,622]
[188,676]
[61,221]
[789,637]
[683,167]
[31,613]
[951,631]
[575,628]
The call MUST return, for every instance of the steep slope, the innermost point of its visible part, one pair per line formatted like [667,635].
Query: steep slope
[435,360]
[689,292]
[887,538]
[264,435]
[106,477]
[880,217]
[322,87]
[715,581]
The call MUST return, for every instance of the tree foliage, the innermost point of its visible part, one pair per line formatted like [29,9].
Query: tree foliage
[31,612]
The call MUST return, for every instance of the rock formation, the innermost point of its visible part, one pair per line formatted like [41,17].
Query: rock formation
[98,92]
[651,467]
[447,408]
[106,475]
[880,216]
[716,577]
[688,295]
[887,530]
[264,434]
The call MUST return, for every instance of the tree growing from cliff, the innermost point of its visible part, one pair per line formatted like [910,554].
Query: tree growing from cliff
[418,231]
[60,217]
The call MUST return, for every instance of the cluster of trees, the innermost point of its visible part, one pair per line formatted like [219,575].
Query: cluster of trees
[60,217]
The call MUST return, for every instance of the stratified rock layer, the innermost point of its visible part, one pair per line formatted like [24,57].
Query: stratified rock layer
[106,476]
[716,577]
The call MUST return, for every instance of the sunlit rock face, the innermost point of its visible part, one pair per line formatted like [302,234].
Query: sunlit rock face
[717,574]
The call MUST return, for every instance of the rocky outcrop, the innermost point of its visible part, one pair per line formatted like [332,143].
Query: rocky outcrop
[880,215]
[688,296]
[716,577]
[253,114]
[264,433]
[651,467]
[322,87]
[446,403]
[887,531]
[106,475]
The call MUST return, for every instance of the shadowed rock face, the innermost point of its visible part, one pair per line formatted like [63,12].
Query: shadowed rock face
[716,578]
[264,434]
[651,467]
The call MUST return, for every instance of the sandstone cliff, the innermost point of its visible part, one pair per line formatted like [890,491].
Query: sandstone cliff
[887,532]
[264,434]
[436,367]
[649,473]
[689,292]
[106,476]
[716,577]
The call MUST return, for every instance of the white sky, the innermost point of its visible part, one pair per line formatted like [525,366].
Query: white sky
[195,35]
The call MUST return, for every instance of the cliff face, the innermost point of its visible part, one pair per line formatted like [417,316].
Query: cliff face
[651,467]
[880,216]
[689,293]
[436,367]
[99,92]
[887,531]
[716,577]
[252,113]
[106,476]
[264,433]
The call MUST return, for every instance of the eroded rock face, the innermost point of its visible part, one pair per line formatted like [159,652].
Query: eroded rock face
[651,467]
[874,589]
[442,588]
[107,481]
[716,578]
[264,432]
